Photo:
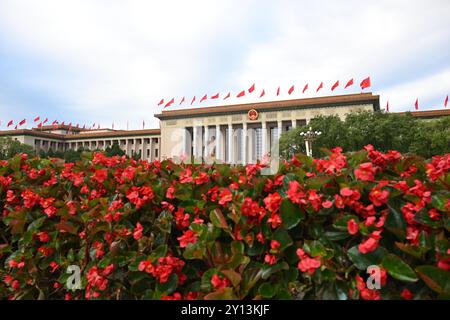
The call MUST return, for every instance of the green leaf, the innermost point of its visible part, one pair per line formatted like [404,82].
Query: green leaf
[267,271]
[436,278]
[217,219]
[291,214]
[222,294]
[169,286]
[395,222]
[266,290]
[362,261]
[282,236]
[233,276]
[398,269]
[317,182]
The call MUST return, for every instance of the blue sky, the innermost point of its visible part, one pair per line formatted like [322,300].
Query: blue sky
[96,61]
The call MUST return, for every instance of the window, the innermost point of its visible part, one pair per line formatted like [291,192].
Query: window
[156,154]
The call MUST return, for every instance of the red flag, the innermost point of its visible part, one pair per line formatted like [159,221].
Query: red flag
[36,119]
[227,96]
[319,87]
[387,106]
[216,96]
[204,98]
[79,125]
[365,83]
[10,123]
[349,83]
[39,124]
[182,100]
[262,93]
[161,102]
[15,128]
[169,103]
[22,122]
[193,99]
[305,88]
[446,101]
[45,121]
[335,85]
[251,89]
[70,127]
[278,91]
[416,104]
[62,123]
[241,94]
[55,122]
[93,126]
[291,89]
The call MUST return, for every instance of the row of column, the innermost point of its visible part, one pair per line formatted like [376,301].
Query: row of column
[230,146]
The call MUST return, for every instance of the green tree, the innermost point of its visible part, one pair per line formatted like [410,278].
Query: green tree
[9,148]
[385,131]
[114,150]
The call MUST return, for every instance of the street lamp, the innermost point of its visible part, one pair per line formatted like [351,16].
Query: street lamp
[309,136]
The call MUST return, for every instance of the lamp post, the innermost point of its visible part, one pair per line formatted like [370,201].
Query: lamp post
[309,136]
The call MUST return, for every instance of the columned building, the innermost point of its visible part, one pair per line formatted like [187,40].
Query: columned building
[244,133]
[235,134]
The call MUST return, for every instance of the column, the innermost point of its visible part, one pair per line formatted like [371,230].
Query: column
[143,155]
[294,124]
[206,146]
[280,127]
[218,145]
[195,142]
[230,143]
[184,142]
[244,143]
[264,145]
[151,149]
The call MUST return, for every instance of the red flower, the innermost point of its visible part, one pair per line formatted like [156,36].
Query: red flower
[307,264]
[365,172]
[225,196]
[270,259]
[30,199]
[129,173]
[170,192]
[100,175]
[369,294]
[275,220]
[352,226]
[273,202]
[368,245]
[188,236]
[146,266]
[137,233]
[274,244]
[186,176]
[202,178]
[378,196]
[219,283]
[43,236]
[327,204]
[406,294]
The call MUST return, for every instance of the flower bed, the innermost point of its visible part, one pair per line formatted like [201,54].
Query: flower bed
[137,230]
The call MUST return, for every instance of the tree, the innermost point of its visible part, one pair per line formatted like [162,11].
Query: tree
[9,148]
[114,150]
[385,131]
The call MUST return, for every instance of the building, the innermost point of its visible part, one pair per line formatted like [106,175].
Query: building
[428,114]
[63,138]
[243,133]
[237,134]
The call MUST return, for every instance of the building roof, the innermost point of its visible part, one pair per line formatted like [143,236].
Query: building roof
[306,103]
[79,136]
[58,127]
[428,114]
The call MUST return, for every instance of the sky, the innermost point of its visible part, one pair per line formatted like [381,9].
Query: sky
[105,61]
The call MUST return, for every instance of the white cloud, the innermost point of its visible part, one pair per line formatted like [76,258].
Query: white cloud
[113,60]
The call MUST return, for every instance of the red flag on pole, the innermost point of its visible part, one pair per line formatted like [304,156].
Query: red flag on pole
[15,128]
[251,89]
[10,123]
[45,121]
[291,89]
[365,83]
[161,102]
[55,122]
[446,101]
[39,124]
[182,100]
[349,83]
[22,122]
[216,96]
[319,87]
[305,88]
[387,106]
[241,94]
[204,98]
[416,104]
[62,123]
[193,100]
[227,96]
[263,92]
[335,85]
[36,119]
[278,91]
[169,103]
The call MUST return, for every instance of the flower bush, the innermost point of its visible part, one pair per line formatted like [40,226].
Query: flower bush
[139,230]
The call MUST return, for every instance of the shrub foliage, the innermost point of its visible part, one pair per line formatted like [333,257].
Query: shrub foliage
[162,230]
